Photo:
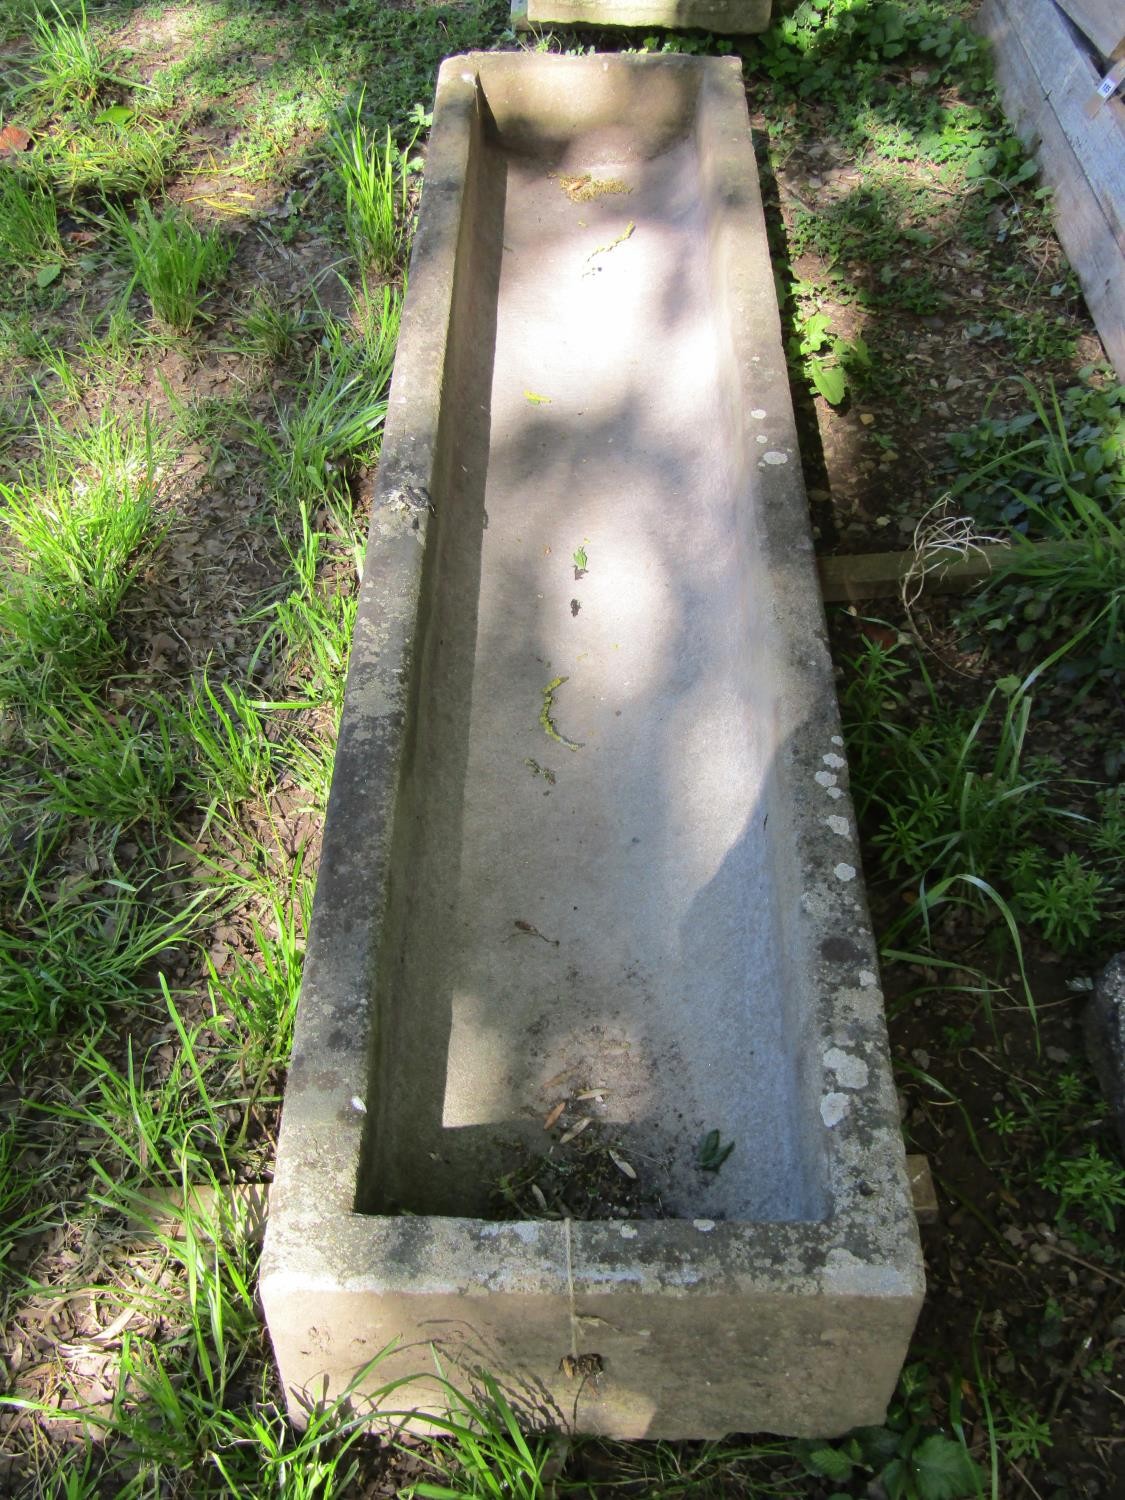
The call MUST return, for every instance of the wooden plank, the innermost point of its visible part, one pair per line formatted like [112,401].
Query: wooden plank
[244,1205]
[877,575]
[1103,21]
[1094,243]
[1066,79]
[922,1190]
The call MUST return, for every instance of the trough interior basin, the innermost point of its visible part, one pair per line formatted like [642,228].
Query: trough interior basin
[591,875]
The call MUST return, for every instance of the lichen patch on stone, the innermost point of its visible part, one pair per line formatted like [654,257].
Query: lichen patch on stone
[838,825]
[844,872]
[851,1071]
[833,1108]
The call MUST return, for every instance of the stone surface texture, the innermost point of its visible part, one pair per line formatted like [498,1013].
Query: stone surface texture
[591,363]
[724,17]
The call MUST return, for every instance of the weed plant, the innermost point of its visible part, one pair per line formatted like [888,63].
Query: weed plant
[1055,477]
[911,1457]
[174,263]
[1057,1113]
[959,811]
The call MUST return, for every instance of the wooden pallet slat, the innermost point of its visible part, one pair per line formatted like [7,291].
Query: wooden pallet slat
[1045,80]
[1103,21]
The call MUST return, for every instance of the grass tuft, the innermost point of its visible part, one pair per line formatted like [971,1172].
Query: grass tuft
[84,521]
[68,65]
[376,186]
[29,223]
[174,263]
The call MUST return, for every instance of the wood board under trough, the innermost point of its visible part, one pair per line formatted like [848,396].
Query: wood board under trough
[1103,21]
[1046,78]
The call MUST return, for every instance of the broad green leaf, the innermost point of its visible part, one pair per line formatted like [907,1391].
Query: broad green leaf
[47,275]
[116,114]
[829,380]
[828,1462]
[943,1470]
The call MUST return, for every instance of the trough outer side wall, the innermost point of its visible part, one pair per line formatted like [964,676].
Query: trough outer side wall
[816,1316]
[324,1114]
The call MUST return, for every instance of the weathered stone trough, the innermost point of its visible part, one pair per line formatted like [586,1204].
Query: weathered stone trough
[588,832]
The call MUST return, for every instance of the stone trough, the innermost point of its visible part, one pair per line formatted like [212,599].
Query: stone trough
[589,842]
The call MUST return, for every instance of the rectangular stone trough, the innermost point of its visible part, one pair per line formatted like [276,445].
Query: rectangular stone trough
[590,856]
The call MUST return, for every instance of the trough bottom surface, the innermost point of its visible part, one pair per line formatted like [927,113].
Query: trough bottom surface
[602,915]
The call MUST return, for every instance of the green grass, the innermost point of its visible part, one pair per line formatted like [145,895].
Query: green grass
[68,64]
[84,521]
[231,754]
[271,331]
[376,185]
[176,265]
[75,957]
[309,630]
[29,224]
[106,767]
[335,418]
[102,158]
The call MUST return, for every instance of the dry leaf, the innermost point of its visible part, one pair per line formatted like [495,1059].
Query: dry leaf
[622,1165]
[537,1194]
[552,1118]
[13,138]
[599,1092]
[576,1129]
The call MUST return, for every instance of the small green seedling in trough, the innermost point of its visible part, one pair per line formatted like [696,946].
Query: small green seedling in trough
[713,1152]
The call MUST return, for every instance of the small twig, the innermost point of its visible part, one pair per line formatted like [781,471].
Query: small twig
[1021,1475]
[1089,1264]
[1076,1363]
